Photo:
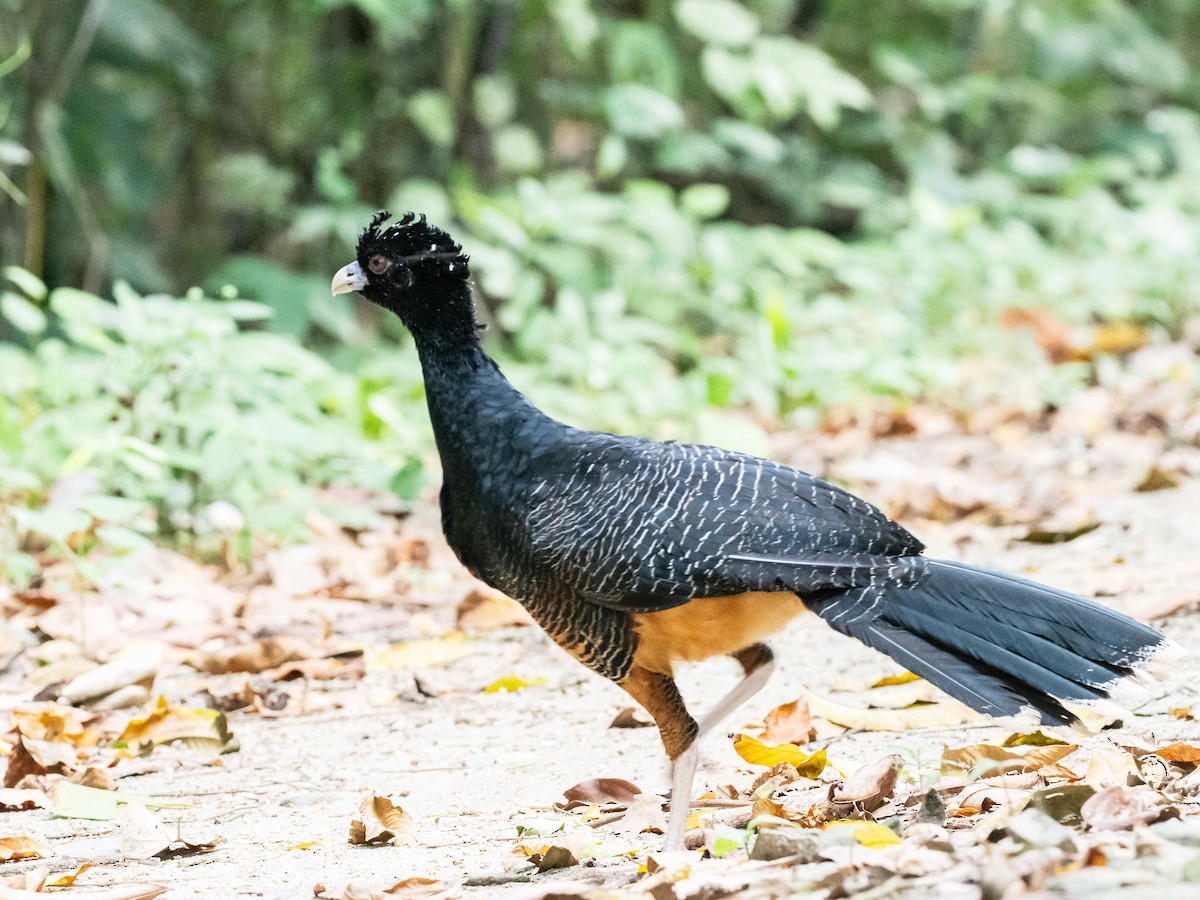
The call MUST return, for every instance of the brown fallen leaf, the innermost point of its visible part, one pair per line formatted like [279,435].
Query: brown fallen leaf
[986,794]
[1179,753]
[1119,808]
[644,814]
[55,722]
[1157,479]
[380,820]
[324,668]
[1110,766]
[929,715]
[790,723]
[416,888]
[22,846]
[632,717]
[205,730]
[489,610]
[141,835]
[988,759]
[16,799]
[869,787]
[601,791]
[254,656]
[30,757]
[1060,535]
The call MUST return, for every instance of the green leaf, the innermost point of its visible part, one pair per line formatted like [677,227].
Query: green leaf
[22,314]
[704,201]
[717,21]
[408,480]
[52,522]
[124,539]
[640,112]
[432,112]
[30,284]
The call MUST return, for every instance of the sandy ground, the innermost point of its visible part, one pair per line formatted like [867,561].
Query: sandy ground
[471,767]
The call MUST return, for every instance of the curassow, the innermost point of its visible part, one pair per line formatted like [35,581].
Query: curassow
[635,555]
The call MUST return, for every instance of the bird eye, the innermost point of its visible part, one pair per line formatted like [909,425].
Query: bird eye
[378,264]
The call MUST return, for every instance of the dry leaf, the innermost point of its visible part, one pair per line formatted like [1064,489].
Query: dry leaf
[416,888]
[1110,766]
[323,668]
[15,799]
[790,723]
[643,814]
[754,751]
[135,664]
[893,680]
[869,834]
[381,820]
[1118,808]
[141,836]
[512,683]
[54,722]
[602,791]
[69,879]
[424,652]
[632,717]
[988,759]
[486,611]
[1157,479]
[1031,739]
[22,846]
[870,786]
[1060,535]
[931,715]
[254,656]
[1179,753]
[30,757]
[205,730]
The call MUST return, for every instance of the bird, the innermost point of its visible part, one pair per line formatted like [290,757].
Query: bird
[636,556]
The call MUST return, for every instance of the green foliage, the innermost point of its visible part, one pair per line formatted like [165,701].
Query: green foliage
[136,417]
[674,209]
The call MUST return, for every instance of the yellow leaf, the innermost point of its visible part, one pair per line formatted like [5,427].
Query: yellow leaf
[929,715]
[21,846]
[756,752]
[1031,739]
[869,834]
[988,759]
[307,845]
[68,880]
[511,683]
[204,729]
[892,680]
[424,652]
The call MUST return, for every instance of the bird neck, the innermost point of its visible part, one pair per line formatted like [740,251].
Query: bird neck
[472,406]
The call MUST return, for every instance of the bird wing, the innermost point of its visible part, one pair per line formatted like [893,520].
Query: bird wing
[642,526]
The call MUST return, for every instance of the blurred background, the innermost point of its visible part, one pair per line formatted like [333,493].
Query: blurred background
[701,219]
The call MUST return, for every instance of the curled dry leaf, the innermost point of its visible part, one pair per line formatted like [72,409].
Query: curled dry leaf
[15,799]
[988,759]
[1118,808]
[790,723]
[1179,753]
[54,722]
[380,820]
[205,730]
[487,610]
[807,765]
[1008,791]
[632,717]
[136,664]
[644,814]
[1110,766]
[930,715]
[601,791]
[254,656]
[22,846]
[870,786]
[30,757]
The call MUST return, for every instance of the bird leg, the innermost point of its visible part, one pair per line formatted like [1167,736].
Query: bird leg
[680,733]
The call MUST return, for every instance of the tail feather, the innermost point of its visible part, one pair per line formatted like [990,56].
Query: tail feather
[1001,644]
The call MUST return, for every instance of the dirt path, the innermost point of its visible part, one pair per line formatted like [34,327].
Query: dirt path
[470,767]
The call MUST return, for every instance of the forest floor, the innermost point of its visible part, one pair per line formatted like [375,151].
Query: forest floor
[368,665]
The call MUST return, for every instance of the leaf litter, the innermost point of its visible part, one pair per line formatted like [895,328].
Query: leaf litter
[380,634]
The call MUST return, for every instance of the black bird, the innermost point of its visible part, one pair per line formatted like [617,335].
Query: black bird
[635,555]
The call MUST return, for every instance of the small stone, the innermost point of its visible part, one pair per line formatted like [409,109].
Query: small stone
[776,843]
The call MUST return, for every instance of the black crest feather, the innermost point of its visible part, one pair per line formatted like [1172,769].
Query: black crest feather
[414,242]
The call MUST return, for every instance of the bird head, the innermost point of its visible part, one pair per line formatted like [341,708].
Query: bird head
[410,267]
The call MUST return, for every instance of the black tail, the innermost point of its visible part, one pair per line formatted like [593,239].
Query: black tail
[1000,644]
